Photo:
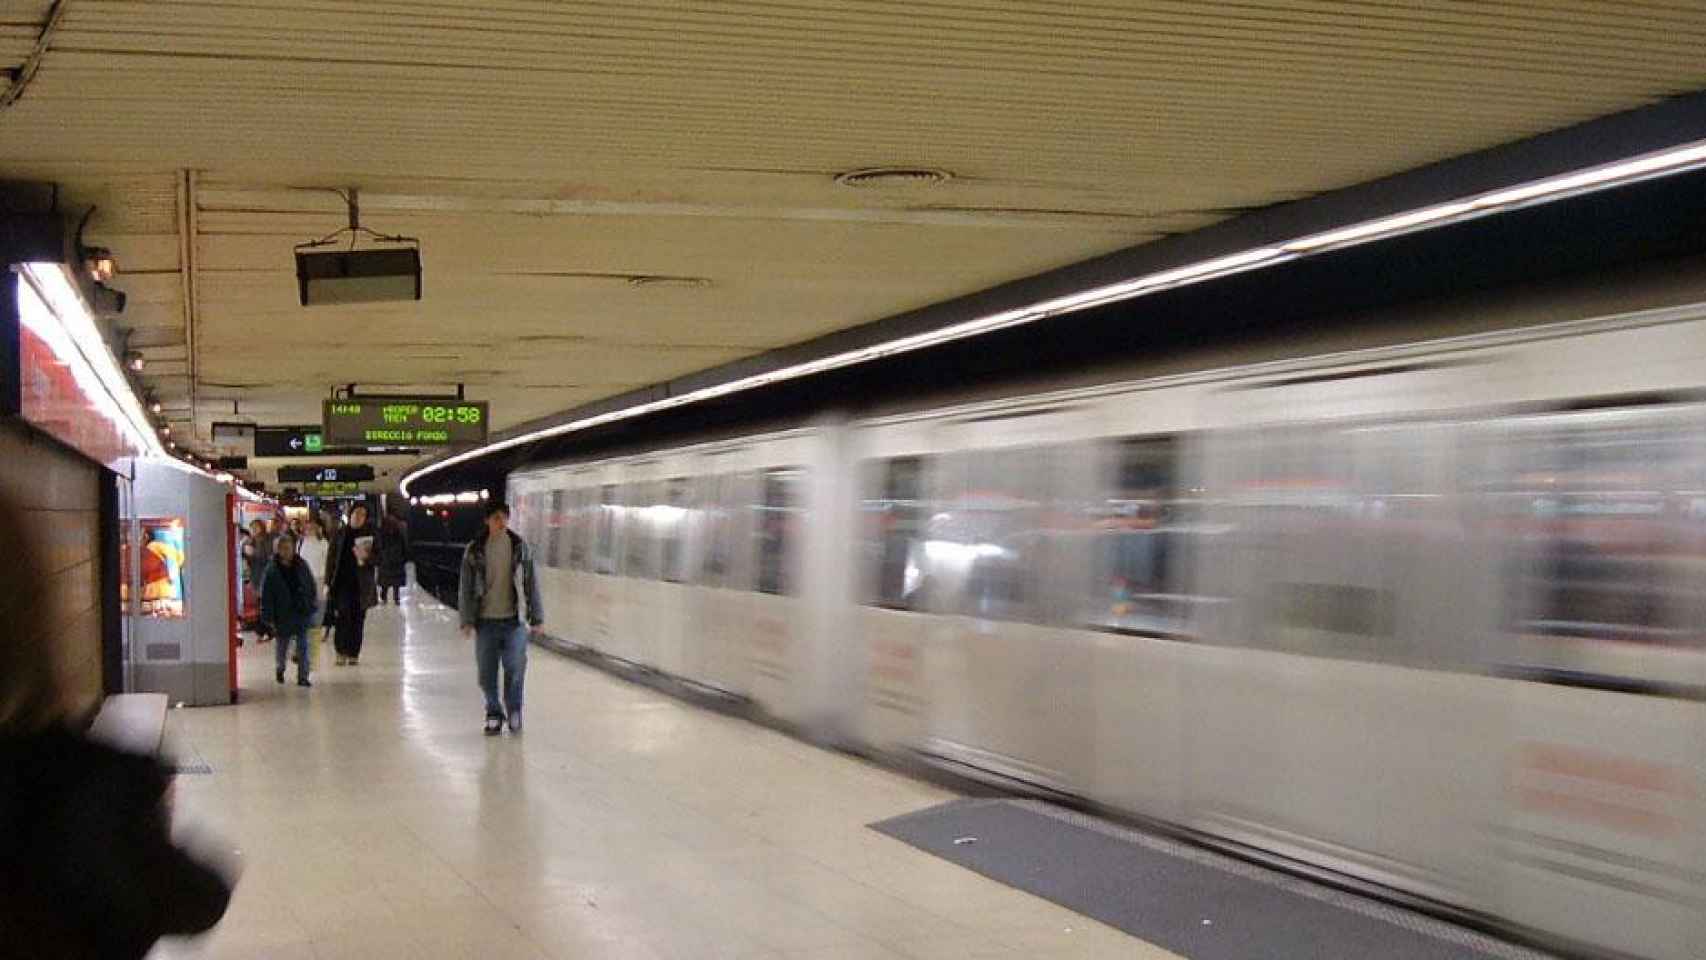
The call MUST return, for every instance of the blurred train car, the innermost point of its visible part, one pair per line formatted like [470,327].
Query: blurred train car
[1431,616]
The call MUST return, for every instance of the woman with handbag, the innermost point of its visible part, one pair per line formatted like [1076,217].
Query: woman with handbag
[350,585]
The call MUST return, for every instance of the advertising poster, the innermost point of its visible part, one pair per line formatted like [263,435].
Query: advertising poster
[163,567]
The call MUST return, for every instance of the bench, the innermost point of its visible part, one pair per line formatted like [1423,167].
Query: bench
[132,722]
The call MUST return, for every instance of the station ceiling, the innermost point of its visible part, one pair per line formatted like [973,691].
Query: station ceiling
[611,194]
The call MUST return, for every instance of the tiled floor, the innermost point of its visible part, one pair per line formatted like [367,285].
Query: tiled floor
[374,820]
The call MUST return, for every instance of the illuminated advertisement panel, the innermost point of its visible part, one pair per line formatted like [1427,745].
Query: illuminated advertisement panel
[59,391]
[164,562]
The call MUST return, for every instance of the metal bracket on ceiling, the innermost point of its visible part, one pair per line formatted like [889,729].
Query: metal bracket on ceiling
[351,391]
[352,203]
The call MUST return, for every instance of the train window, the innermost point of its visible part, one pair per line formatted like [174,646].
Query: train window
[1332,608]
[672,528]
[639,531]
[1144,528]
[1603,521]
[892,541]
[604,531]
[1337,540]
[555,522]
[1001,547]
[777,528]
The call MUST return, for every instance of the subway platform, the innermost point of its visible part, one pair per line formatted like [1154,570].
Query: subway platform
[374,819]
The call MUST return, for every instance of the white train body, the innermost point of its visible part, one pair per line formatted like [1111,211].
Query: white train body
[1432,616]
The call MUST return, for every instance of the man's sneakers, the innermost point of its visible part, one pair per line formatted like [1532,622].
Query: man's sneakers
[495,723]
[303,682]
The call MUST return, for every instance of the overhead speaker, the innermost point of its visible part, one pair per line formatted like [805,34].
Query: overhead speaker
[357,276]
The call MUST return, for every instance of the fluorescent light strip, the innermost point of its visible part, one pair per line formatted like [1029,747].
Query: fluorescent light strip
[439,499]
[1623,172]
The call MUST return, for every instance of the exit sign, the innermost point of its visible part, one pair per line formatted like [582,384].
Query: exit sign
[289,441]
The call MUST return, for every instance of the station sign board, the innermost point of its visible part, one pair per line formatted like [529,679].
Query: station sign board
[405,422]
[357,472]
[308,441]
[334,488]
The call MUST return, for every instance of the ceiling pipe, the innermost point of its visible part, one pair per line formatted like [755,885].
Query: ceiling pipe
[22,76]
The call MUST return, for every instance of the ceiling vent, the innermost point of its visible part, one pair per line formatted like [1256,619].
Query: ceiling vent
[650,280]
[893,177]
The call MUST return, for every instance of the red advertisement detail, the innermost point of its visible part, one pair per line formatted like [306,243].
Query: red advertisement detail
[1589,765]
[56,404]
[1588,786]
[894,663]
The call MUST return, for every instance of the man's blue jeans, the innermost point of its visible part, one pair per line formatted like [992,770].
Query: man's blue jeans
[281,648]
[502,641]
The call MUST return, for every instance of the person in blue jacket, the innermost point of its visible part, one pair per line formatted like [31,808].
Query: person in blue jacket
[288,602]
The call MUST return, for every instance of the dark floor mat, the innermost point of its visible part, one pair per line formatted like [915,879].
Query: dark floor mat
[1192,902]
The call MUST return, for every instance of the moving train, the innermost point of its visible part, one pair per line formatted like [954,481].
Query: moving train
[1426,614]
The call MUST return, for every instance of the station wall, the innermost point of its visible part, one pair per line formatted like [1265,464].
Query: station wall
[57,496]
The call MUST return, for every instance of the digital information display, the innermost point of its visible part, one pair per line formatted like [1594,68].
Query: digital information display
[332,488]
[405,421]
[358,472]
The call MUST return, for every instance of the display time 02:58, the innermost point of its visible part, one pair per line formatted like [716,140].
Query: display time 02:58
[450,414]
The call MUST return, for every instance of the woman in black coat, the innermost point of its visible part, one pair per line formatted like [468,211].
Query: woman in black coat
[393,559]
[350,585]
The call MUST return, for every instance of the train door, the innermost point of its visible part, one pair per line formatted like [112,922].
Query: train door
[1602,517]
[638,623]
[579,507]
[894,465]
[718,639]
[1138,614]
[1009,676]
[676,600]
[1336,715]
[544,527]
[779,613]
[604,560]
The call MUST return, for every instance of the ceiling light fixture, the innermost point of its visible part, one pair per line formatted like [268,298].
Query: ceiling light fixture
[1620,173]
[99,262]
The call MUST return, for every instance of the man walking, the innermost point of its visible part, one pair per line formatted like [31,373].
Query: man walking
[497,572]
[289,598]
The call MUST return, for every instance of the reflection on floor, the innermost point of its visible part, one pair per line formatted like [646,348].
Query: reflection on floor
[375,820]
